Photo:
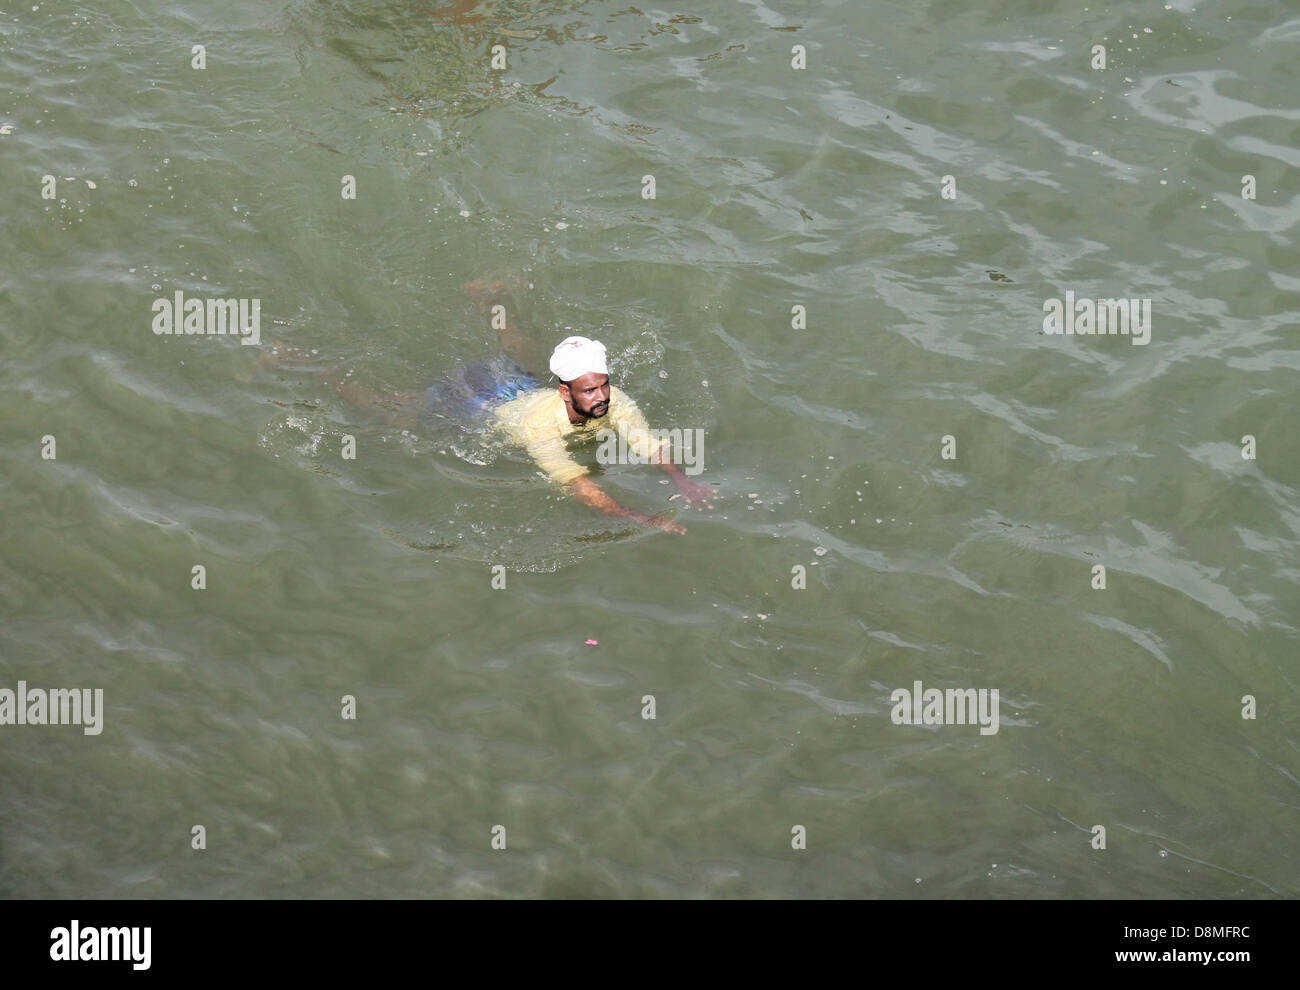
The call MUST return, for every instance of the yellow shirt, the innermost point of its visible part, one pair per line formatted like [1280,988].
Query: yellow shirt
[539,422]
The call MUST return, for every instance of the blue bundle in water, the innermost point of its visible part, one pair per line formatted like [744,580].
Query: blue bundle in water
[472,391]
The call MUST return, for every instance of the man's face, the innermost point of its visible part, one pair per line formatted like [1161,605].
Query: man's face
[590,394]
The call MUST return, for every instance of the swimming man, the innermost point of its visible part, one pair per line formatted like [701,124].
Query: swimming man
[541,420]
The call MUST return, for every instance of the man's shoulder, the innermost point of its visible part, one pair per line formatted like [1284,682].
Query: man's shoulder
[621,404]
[534,408]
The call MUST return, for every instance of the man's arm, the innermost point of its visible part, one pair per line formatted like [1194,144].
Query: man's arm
[552,457]
[631,424]
[589,493]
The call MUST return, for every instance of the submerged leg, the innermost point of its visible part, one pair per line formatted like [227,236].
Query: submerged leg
[401,409]
[518,343]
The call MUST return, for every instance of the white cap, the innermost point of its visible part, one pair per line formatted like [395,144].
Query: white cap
[574,357]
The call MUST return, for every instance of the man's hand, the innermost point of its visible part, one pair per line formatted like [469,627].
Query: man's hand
[695,494]
[661,521]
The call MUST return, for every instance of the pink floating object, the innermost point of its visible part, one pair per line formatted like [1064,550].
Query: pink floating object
[592,642]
